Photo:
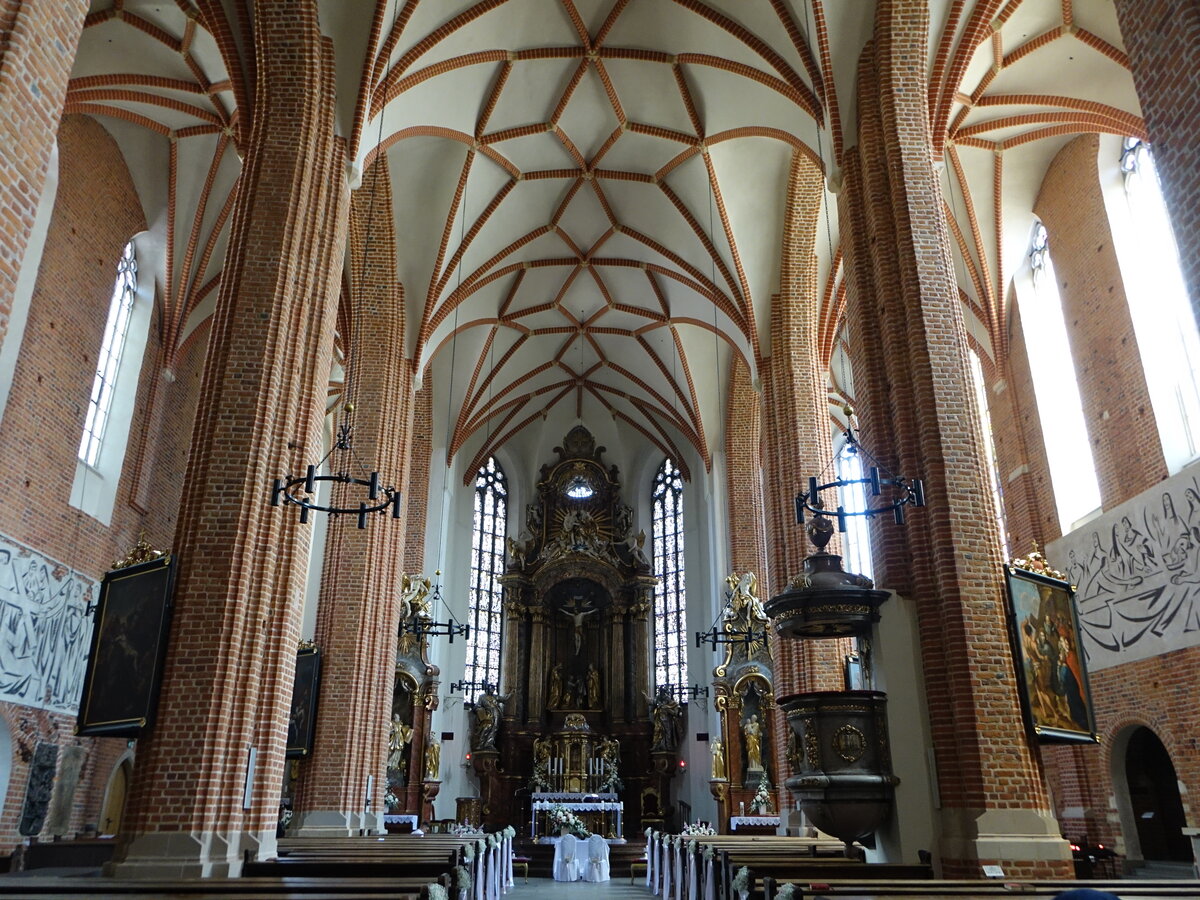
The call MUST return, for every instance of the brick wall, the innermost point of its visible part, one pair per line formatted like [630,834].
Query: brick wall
[96,213]
[38,39]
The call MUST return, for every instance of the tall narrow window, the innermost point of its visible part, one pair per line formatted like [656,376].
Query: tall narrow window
[1060,411]
[857,539]
[670,605]
[119,309]
[487,565]
[989,449]
[1158,305]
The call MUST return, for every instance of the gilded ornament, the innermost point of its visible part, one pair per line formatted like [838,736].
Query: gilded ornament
[812,747]
[140,552]
[849,743]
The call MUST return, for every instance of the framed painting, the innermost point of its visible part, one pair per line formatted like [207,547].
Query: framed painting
[1048,653]
[303,717]
[129,647]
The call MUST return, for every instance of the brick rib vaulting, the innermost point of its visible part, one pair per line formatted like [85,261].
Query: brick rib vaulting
[589,195]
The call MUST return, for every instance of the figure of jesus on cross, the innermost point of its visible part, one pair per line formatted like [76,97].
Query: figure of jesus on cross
[576,614]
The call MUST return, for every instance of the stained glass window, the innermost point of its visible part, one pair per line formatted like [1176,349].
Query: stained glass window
[670,606]
[487,565]
[119,309]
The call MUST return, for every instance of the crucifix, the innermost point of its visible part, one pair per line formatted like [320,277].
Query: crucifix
[576,614]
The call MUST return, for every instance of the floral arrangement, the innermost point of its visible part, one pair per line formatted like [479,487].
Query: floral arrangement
[698,829]
[540,780]
[390,800]
[741,881]
[560,817]
[460,830]
[435,891]
[462,877]
[509,832]
[785,892]
[762,798]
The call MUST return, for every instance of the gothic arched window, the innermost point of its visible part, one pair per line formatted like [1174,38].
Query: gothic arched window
[1056,389]
[670,605]
[487,565]
[1162,316]
[120,308]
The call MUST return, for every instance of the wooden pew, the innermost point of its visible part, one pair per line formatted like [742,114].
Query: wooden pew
[981,889]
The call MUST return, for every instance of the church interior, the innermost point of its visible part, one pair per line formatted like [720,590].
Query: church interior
[631,417]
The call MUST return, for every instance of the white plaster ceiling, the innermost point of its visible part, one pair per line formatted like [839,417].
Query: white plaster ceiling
[589,194]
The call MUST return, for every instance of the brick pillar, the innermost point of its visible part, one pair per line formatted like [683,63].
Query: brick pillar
[358,613]
[1024,474]
[1163,41]
[743,483]
[38,40]
[908,330]
[239,591]
[797,442]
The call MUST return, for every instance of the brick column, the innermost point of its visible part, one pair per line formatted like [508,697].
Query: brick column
[1163,41]
[743,482]
[358,613]
[797,443]
[907,326]
[38,40]
[240,585]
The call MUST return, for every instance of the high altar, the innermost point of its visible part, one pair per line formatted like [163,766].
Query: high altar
[573,723]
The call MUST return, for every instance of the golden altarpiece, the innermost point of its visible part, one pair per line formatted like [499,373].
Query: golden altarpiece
[572,719]
[742,779]
[414,753]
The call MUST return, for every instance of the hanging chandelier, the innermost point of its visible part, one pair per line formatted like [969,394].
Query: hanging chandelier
[301,490]
[902,491]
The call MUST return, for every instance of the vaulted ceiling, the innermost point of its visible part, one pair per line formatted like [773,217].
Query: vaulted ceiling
[589,194]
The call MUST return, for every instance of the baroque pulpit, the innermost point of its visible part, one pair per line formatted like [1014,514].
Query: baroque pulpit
[573,720]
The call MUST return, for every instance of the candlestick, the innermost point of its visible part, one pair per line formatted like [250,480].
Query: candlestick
[742,809]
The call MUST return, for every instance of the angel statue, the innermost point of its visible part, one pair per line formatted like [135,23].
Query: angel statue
[413,591]
[744,595]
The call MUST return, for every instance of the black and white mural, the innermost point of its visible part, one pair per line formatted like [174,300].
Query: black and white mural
[45,631]
[1136,572]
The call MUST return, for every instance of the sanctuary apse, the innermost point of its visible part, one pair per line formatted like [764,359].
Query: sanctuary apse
[577,717]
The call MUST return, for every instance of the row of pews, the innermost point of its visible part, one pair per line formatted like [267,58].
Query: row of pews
[729,867]
[401,867]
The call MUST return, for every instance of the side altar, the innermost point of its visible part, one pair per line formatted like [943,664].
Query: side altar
[573,714]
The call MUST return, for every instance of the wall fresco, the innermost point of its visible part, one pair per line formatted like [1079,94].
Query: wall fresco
[1136,570]
[45,632]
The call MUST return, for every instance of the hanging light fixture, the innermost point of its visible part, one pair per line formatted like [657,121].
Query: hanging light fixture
[301,490]
[904,491]
[423,625]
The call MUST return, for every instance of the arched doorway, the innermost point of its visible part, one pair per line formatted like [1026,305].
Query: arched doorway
[114,798]
[1154,799]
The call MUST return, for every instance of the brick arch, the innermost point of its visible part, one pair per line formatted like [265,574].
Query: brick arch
[1115,744]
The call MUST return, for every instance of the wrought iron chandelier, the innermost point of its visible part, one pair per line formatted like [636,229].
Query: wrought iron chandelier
[904,491]
[301,490]
[423,626]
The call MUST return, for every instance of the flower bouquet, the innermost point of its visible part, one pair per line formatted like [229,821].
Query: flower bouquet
[697,830]
[562,818]
[762,798]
